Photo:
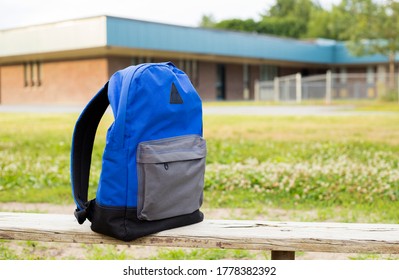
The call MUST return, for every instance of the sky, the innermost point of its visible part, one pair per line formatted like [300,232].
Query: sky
[17,13]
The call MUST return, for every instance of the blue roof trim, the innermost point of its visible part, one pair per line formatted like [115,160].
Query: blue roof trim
[343,56]
[130,33]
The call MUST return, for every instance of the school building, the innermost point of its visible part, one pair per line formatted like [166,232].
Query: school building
[67,62]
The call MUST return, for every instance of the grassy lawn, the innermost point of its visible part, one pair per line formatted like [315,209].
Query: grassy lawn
[345,164]
[252,160]
[343,168]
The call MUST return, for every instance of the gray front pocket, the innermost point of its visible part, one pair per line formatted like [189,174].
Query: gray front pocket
[170,176]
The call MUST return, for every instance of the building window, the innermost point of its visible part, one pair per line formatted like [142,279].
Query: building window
[190,67]
[268,72]
[26,74]
[245,77]
[187,67]
[194,74]
[39,74]
[32,74]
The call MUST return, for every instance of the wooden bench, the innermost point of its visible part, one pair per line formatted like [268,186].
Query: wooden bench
[283,239]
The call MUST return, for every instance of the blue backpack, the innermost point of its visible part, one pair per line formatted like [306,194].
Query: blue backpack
[153,164]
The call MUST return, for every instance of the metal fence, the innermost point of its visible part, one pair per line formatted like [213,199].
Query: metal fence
[328,87]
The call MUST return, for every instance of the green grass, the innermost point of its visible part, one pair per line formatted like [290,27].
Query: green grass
[35,153]
[29,250]
[342,168]
[7,253]
[105,252]
[203,254]
[262,160]
[325,163]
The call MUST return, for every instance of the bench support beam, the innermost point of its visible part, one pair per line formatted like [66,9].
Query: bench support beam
[283,255]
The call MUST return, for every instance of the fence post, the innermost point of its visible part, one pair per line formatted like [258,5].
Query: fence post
[298,87]
[276,89]
[328,87]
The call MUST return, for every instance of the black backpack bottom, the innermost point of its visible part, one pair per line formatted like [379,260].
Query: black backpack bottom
[122,223]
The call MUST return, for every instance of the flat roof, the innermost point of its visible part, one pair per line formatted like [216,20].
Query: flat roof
[108,35]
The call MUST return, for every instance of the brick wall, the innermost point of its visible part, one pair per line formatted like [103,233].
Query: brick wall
[76,81]
[207,80]
[234,82]
[61,82]
[117,63]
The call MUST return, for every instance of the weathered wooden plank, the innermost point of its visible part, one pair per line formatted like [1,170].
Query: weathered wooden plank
[234,234]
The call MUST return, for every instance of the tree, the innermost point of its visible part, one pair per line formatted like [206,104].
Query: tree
[248,25]
[319,25]
[300,9]
[330,24]
[287,18]
[374,30]
[286,27]
[207,21]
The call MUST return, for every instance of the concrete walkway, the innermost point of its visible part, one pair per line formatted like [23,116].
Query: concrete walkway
[40,109]
[278,110]
[294,110]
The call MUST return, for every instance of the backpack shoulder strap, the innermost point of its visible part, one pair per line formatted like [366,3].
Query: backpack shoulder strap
[81,150]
